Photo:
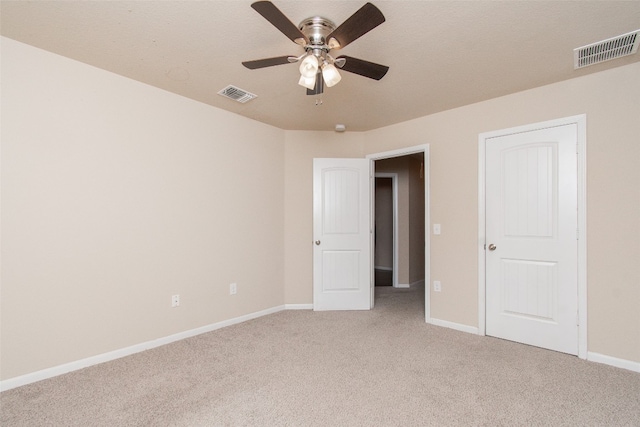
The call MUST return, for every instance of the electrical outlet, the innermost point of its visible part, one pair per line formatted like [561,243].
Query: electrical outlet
[233,289]
[437,286]
[436,229]
[175,300]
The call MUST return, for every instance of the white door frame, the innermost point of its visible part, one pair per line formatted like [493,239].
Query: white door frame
[581,122]
[427,221]
[394,203]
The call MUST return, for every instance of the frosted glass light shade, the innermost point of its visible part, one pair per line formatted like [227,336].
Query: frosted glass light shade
[309,66]
[308,82]
[331,75]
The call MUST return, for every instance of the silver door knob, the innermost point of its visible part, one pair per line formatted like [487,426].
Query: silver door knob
[317,242]
[492,247]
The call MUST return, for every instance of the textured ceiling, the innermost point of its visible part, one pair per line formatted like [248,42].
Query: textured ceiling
[441,54]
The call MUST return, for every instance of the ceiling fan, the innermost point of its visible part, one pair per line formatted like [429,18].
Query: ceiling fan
[318,36]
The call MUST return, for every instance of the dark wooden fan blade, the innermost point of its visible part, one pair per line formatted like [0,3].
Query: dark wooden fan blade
[266,62]
[363,68]
[364,20]
[272,14]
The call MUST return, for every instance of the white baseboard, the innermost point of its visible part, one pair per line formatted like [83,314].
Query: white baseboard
[127,351]
[411,285]
[298,306]
[452,325]
[591,356]
[613,361]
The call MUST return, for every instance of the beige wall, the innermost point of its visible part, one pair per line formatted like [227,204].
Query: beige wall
[383,234]
[300,150]
[611,101]
[416,220]
[117,195]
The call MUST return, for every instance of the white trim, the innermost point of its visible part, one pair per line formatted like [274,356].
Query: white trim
[613,361]
[452,325]
[427,211]
[427,233]
[298,306]
[127,351]
[482,238]
[394,203]
[377,267]
[411,285]
[581,122]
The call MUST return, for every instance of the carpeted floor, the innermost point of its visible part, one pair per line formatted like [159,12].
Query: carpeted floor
[384,367]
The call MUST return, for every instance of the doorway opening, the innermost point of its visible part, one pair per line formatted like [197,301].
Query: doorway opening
[401,180]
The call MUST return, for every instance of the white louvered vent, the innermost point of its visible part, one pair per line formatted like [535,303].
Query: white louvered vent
[237,94]
[606,50]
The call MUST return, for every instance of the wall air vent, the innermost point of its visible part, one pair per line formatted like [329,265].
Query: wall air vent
[237,94]
[606,50]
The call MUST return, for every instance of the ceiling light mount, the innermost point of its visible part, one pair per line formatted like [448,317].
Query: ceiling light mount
[316,29]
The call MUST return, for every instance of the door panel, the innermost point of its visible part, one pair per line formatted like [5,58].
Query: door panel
[531,211]
[342,264]
[529,289]
[529,178]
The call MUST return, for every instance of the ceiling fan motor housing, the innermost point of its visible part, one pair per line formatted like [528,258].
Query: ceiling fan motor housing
[317,29]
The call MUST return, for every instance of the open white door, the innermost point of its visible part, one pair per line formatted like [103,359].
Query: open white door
[342,230]
[531,232]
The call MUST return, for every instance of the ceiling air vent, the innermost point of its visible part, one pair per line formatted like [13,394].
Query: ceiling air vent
[606,50]
[237,94]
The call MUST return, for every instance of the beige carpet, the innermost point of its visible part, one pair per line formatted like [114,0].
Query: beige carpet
[385,367]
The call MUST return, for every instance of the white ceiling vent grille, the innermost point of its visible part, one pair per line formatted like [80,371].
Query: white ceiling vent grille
[606,50]
[237,94]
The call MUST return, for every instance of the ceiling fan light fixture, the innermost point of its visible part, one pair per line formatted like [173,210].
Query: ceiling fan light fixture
[309,66]
[318,36]
[331,75]
[308,82]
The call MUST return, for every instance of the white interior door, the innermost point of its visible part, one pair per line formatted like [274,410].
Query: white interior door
[342,233]
[531,237]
